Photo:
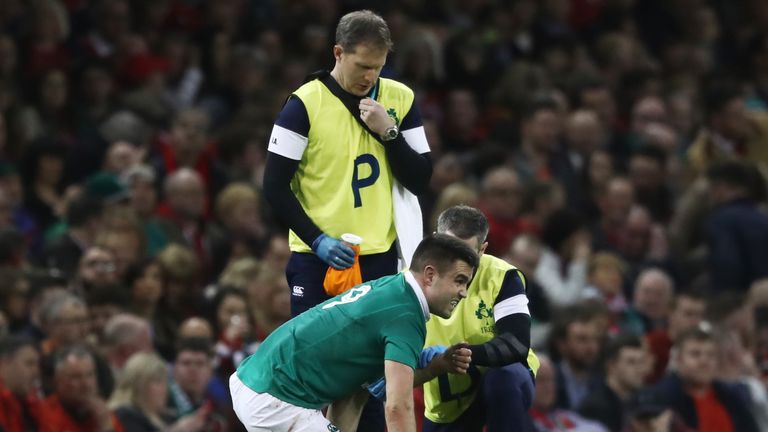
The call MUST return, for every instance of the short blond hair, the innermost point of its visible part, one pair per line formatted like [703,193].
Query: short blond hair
[140,370]
[232,195]
[609,260]
[179,263]
[240,273]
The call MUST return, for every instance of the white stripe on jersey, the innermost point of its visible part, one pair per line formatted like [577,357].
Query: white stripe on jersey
[510,306]
[417,139]
[287,143]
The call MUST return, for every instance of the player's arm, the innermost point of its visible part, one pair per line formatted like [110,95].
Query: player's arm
[435,361]
[513,326]
[286,147]
[398,409]
[408,154]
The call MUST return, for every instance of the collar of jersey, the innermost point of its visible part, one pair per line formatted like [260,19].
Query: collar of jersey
[419,293]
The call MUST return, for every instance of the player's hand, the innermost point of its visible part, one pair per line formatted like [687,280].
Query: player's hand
[333,252]
[375,116]
[455,360]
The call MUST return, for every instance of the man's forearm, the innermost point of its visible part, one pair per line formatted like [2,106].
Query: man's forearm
[400,416]
[277,191]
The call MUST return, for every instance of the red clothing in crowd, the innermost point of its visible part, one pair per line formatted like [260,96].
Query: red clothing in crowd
[62,421]
[17,415]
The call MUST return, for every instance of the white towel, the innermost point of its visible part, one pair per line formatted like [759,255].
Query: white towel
[408,223]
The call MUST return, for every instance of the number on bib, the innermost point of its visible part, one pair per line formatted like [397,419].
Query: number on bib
[350,296]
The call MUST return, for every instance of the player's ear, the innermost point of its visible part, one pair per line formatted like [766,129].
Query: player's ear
[430,274]
[337,51]
[482,248]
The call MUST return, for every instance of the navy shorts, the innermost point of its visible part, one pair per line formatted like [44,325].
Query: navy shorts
[305,273]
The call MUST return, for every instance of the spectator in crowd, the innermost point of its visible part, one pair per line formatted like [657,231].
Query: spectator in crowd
[191,386]
[20,373]
[140,180]
[545,415]
[626,364]
[75,403]
[97,268]
[103,303]
[737,227]
[687,311]
[240,231]
[524,254]
[233,327]
[652,298]
[605,275]
[140,398]
[562,268]
[501,199]
[693,391]
[576,341]
[145,283]
[124,336]
[269,302]
[83,218]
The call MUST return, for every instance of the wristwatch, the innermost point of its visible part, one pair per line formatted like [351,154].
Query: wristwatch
[390,133]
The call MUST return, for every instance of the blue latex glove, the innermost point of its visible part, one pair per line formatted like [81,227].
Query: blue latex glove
[428,354]
[379,388]
[333,252]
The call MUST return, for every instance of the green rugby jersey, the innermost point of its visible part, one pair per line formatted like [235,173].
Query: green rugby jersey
[330,351]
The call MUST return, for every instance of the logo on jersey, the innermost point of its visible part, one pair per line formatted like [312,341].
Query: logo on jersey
[298,291]
[359,183]
[393,114]
[483,311]
[333,428]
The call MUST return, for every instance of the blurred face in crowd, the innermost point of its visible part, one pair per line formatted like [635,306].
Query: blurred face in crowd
[583,131]
[525,253]
[21,371]
[6,211]
[143,196]
[634,239]
[646,173]
[54,90]
[653,294]
[687,313]
[732,120]
[581,344]
[148,288]
[100,315]
[186,194]
[629,369]
[71,326]
[125,246]
[231,309]
[190,131]
[10,185]
[120,156]
[542,130]
[196,327]
[245,218]
[192,371]
[648,110]
[49,169]
[461,112]
[98,267]
[156,394]
[600,100]
[607,279]
[76,381]
[502,192]
[546,387]
[278,253]
[358,69]
[114,19]
[617,201]
[697,362]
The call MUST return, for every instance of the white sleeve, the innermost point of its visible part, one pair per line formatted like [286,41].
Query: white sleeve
[513,305]
[417,139]
[287,143]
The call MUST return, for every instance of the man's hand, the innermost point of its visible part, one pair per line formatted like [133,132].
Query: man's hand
[333,252]
[375,116]
[455,360]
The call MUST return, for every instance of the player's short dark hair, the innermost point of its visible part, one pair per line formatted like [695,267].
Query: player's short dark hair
[619,342]
[11,344]
[464,222]
[363,27]
[442,250]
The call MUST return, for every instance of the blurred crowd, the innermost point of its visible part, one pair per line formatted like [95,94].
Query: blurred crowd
[617,147]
